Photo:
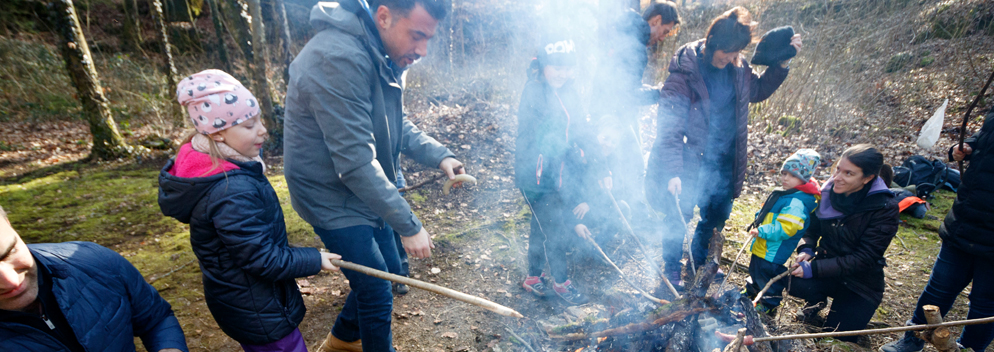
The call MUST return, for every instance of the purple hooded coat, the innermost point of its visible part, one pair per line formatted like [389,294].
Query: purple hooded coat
[682,122]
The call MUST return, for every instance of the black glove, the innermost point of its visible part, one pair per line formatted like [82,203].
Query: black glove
[775,47]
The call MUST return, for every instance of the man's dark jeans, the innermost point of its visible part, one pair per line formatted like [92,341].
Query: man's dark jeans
[366,314]
[714,210]
[954,269]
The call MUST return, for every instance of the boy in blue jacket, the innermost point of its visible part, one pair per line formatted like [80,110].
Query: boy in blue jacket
[781,223]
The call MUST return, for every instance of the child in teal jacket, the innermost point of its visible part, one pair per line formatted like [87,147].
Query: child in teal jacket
[781,223]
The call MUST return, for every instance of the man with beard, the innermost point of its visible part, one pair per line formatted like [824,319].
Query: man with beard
[344,132]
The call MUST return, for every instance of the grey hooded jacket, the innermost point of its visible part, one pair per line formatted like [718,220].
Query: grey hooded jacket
[345,127]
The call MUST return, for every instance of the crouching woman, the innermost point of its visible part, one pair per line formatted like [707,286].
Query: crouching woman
[855,223]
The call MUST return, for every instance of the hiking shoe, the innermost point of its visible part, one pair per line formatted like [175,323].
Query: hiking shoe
[569,293]
[908,343]
[536,286]
[809,314]
[400,289]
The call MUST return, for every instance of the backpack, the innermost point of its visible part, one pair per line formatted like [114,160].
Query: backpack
[926,175]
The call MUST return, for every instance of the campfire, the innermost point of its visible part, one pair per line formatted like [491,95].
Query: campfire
[699,320]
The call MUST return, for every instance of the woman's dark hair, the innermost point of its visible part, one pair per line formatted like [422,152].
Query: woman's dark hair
[667,9]
[438,9]
[865,157]
[732,31]
[887,174]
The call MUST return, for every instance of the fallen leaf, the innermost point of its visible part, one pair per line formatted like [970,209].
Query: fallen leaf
[450,334]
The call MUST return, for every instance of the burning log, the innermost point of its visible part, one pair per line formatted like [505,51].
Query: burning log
[754,325]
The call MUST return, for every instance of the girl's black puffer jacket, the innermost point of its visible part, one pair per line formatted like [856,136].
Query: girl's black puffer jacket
[239,237]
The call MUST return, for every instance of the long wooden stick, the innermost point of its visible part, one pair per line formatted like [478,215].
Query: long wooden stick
[648,256]
[488,305]
[768,285]
[877,331]
[422,183]
[625,277]
[732,268]
[688,239]
[966,117]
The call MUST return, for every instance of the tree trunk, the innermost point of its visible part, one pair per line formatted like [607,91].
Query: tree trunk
[258,68]
[238,20]
[222,50]
[457,41]
[168,66]
[131,36]
[284,34]
[107,141]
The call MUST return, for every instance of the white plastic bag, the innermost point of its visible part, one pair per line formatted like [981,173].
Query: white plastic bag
[932,128]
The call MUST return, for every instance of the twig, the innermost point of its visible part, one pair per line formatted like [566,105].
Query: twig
[902,240]
[625,277]
[155,278]
[768,285]
[447,292]
[521,340]
[645,252]
[966,117]
[877,331]
[688,240]
[422,183]
[734,262]
[736,344]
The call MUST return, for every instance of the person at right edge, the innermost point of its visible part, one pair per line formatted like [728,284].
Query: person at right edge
[967,252]
[842,254]
[699,155]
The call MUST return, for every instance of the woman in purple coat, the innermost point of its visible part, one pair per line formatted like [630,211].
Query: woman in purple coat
[699,155]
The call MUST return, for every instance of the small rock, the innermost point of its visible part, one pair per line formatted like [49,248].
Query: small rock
[435,270]
[450,334]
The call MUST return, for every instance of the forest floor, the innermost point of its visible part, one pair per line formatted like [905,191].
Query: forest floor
[481,232]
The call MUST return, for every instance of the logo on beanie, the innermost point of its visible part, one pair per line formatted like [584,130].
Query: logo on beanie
[562,47]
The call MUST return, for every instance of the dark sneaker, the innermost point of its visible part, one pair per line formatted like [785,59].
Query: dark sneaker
[570,294]
[535,285]
[400,289]
[809,314]
[908,343]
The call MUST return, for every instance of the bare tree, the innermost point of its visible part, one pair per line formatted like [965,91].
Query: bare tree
[219,33]
[168,67]
[131,32]
[258,65]
[284,33]
[107,140]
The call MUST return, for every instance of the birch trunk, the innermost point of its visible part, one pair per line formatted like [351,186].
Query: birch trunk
[107,140]
[258,68]
[168,66]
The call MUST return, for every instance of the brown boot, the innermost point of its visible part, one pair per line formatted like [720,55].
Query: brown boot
[333,344]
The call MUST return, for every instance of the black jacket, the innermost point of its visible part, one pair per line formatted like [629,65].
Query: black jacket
[104,299]
[551,125]
[852,246]
[239,237]
[969,225]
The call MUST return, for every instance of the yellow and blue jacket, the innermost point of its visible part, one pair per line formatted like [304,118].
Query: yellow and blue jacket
[785,221]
